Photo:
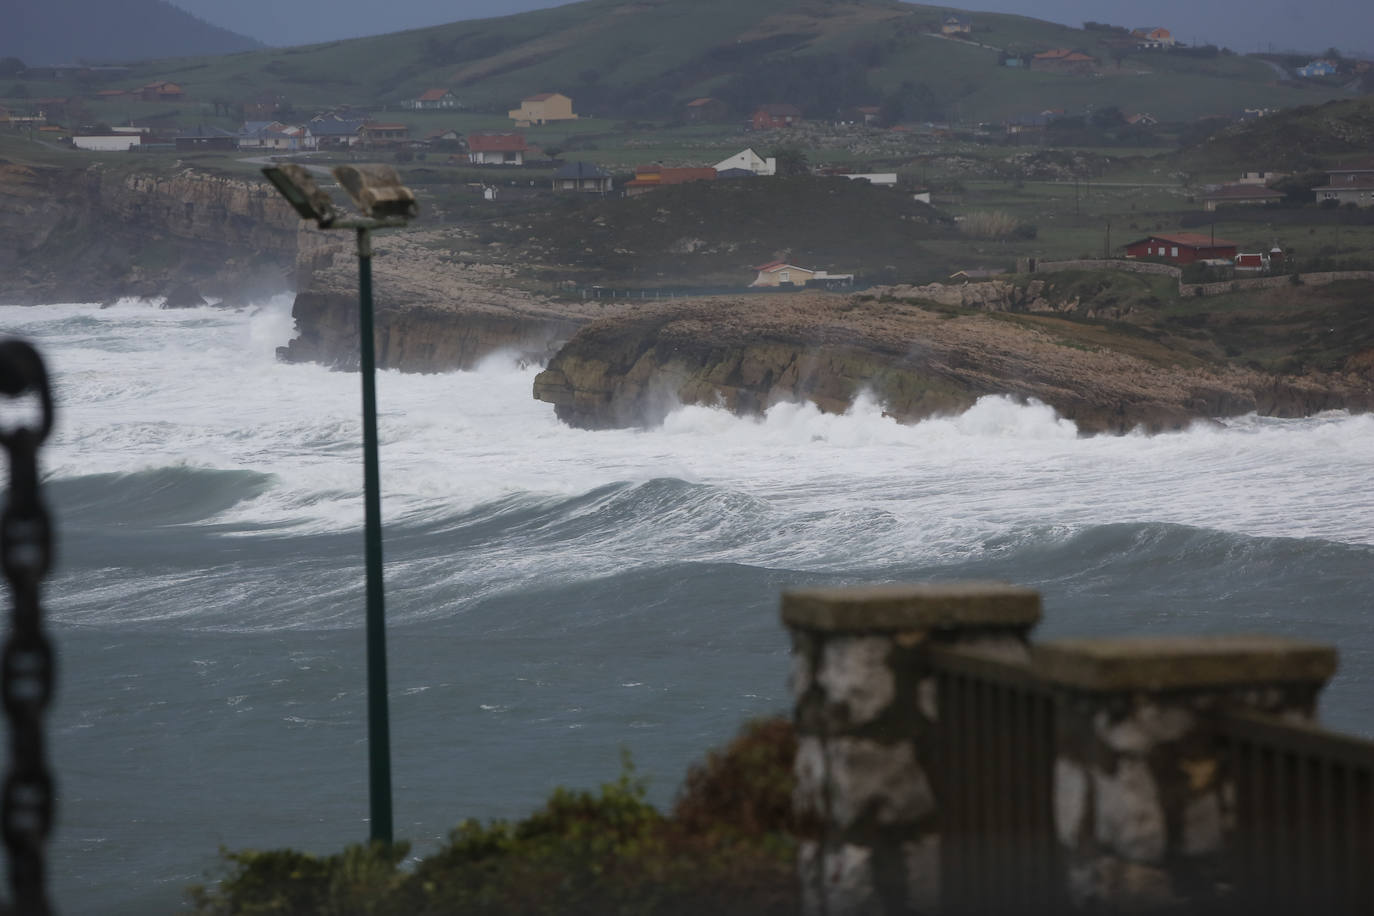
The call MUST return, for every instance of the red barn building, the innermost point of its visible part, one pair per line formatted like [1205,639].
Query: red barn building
[1182,248]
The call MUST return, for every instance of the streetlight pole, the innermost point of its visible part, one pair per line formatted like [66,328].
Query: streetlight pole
[385,203]
[378,717]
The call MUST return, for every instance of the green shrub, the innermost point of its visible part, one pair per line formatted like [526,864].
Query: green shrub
[728,848]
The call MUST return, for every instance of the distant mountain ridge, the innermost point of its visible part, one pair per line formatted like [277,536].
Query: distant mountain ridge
[61,32]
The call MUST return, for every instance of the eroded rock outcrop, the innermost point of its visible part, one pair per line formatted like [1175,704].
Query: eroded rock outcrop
[434,311]
[747,354]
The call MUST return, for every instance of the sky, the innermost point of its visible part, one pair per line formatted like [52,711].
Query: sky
[1242,25]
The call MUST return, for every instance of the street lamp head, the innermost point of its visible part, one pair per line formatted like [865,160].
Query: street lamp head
[377,190]
[300,190]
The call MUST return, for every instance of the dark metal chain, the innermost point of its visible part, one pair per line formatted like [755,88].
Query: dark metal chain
[26,678]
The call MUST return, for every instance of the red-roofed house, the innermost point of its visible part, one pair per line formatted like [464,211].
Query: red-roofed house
[543,108]
[161,92]
[1064,60]
[648,177]
[496,149]
[432,99]
[1182,248]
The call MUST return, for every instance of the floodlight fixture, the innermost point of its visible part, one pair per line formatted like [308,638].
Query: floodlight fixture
[377,190]
[295,184]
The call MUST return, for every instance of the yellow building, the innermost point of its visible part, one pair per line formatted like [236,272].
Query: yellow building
[542,108]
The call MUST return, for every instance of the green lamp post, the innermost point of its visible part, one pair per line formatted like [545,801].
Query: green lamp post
[385,204]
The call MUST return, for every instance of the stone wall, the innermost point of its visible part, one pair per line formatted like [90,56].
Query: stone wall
[1135,267]
[1321,278]
[1144,803]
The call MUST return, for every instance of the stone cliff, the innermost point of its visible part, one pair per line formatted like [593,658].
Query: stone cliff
[434,311]
[747,354]
[96,233]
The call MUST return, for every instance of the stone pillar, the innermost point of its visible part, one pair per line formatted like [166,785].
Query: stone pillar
[1142,797]
[865,713]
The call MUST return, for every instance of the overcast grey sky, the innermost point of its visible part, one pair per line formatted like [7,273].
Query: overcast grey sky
[1243,25]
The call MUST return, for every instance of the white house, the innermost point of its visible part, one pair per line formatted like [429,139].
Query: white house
[104,143]
[749,160]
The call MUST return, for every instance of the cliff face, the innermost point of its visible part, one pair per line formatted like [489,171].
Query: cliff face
[434,313]
[748,355]
[93,234]
[414,338]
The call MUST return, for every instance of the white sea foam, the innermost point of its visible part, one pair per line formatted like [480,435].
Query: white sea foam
[146,388]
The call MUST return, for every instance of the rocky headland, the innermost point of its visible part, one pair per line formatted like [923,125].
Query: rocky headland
[918,360]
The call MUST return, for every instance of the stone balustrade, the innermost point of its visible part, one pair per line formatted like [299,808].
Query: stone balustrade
[1143,803]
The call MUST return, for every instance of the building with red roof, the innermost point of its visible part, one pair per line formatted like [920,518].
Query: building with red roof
[497,149]
[432,100]
[1182,248]
[648,177]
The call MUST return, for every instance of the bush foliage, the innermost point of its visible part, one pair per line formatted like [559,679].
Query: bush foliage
[728,847]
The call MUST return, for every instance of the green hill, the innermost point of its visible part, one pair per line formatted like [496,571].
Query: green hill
[645,58]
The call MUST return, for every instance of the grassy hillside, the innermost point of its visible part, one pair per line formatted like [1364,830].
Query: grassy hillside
[1304,137]
[644,58]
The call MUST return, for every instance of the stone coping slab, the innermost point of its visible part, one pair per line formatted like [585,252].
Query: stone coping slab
[1182,662]
[897,608]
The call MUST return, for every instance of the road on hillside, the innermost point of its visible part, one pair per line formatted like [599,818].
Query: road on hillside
[1282,71]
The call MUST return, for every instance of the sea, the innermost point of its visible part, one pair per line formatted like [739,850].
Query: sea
[558,598]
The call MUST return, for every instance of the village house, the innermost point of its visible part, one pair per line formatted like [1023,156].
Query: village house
[1143,119]
[1260,262]
[161,92]
[202,138]
[582,176]
[1349,184]
[747,160]
[707,110]
[1260,176]
[768,117]
[250,133]
[780,273]
[432,100]
[106,143]
[1240,194]
[954,24]
[382,133]
[543,108]
[1064,60]
[497,149]
[649,177]
[446,139]
[1153,38]
[1182,248]
[1318,68]
[336,133]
